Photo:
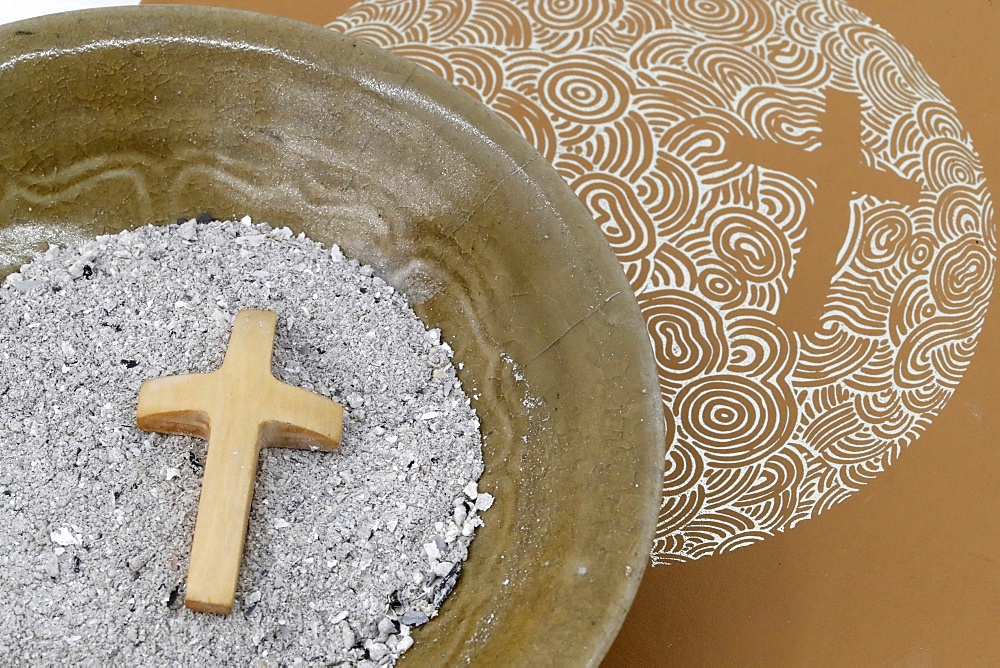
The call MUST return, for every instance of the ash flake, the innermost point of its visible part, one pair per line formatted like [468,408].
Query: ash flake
[65,537]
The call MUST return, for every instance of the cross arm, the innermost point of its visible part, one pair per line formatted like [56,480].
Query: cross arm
[298,418]
[171,405]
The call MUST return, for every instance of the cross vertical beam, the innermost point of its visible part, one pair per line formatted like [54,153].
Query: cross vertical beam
[239,408]
[839,169]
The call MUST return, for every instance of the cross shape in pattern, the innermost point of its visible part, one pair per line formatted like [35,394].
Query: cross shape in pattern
[240,408]
[841,173]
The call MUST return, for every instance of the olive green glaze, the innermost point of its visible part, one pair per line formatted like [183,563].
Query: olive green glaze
[117,118]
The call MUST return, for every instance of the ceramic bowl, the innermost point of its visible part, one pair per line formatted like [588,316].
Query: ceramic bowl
[113,119]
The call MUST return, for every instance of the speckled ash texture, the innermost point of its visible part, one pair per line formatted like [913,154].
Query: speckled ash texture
[345,551]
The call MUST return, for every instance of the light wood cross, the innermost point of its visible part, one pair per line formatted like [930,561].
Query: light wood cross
[240,408]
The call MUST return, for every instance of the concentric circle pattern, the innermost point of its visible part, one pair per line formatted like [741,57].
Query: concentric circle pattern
[641,105]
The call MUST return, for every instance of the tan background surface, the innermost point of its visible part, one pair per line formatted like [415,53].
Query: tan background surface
[905,573]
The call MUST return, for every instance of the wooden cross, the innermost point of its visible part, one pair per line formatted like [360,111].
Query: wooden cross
[240,408]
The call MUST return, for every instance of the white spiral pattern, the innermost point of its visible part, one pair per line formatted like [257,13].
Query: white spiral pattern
[637,104]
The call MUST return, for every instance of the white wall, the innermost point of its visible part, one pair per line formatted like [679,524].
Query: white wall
[15,10]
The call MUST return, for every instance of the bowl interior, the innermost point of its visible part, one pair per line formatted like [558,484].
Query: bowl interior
[118,118]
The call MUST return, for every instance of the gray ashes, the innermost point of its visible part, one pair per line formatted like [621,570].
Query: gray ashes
[345,552]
